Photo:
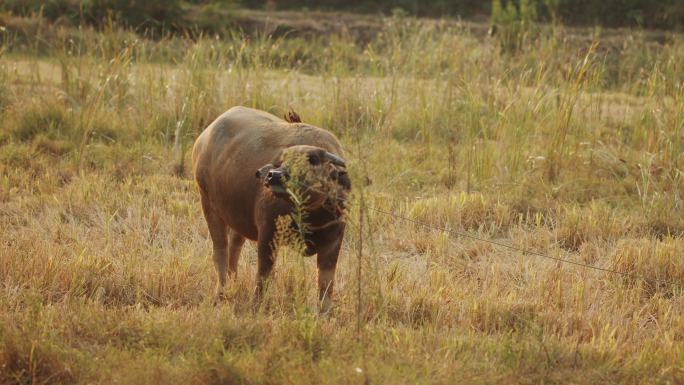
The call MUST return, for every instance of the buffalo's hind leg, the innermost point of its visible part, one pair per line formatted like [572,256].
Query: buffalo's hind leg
[219,238]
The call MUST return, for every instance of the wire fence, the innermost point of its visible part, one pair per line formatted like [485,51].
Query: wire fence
[364,206]
[528,251]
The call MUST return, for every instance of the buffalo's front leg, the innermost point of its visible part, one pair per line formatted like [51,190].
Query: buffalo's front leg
[264,265]
[327,262]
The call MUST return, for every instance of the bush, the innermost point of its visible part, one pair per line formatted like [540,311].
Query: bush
[614,13]
[513,23]
[51,9]
[141,15]
[617,13]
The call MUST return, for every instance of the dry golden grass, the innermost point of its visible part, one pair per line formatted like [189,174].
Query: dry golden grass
[105,270]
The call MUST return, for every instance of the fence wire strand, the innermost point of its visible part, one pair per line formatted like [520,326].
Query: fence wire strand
[527,251]
[461,234]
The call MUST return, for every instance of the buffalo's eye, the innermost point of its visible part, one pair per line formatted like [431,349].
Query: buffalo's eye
[313,159]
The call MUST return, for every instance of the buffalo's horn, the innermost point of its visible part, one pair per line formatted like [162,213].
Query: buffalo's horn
[334,159]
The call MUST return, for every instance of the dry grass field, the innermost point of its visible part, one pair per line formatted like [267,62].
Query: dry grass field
[566,145]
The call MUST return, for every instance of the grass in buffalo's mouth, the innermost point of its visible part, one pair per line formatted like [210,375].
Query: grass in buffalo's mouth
[105,269]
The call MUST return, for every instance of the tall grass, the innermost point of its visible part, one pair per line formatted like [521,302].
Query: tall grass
[571,145]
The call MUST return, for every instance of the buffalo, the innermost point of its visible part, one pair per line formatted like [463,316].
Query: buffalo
[250,166]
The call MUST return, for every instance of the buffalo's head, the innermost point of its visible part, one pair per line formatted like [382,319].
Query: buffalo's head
[307,173]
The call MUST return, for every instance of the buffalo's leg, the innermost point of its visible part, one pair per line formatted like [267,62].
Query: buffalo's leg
[234,248]
[219,239]
[327,262]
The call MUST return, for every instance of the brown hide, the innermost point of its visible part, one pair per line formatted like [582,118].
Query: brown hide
[238,205]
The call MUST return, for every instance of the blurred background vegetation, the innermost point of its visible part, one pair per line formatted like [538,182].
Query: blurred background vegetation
[174,15]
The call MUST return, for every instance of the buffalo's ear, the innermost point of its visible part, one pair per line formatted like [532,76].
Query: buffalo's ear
[264,170]
[344,180]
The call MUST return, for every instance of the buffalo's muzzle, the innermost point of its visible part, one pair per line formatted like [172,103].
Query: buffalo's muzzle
[276,177]
[274,180]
